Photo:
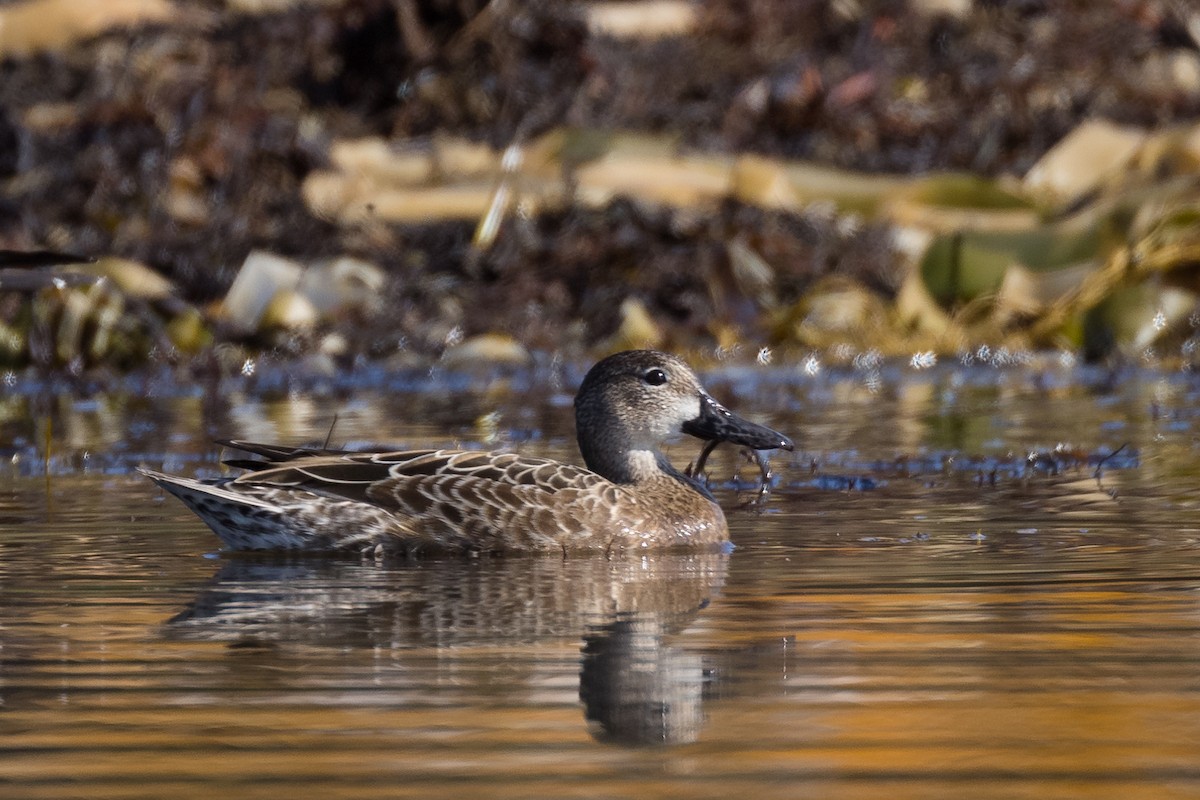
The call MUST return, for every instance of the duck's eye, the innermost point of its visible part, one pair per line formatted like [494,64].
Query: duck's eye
[655,377]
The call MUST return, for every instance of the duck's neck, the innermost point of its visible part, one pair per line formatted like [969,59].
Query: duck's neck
[638,466]
[624,466]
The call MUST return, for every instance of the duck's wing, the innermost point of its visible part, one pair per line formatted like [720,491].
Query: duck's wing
[457,499]
[270,455]
[362,476]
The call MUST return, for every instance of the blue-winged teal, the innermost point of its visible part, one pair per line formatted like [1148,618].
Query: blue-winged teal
[629,497]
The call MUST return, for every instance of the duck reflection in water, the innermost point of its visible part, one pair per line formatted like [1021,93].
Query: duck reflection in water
[638,690]
[469,628]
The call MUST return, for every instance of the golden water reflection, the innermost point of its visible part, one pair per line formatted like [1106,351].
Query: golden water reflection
[935,636]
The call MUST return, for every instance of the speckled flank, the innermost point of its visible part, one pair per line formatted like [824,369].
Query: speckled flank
[630,497]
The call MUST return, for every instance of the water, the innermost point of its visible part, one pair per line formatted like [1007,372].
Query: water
[936,602]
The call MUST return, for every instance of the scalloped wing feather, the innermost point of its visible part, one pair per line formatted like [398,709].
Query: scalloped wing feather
[478,512]
[352,474]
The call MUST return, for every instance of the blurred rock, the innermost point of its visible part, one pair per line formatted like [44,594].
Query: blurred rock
[343,283]
[638,329]
[289,310]
[38,25]
[952,202]
[134,279]
[1133,318]
[274,292]
[333,345]
[1172,73]
[647,19]
[49,118]
[487,348]
[765,183]
[186,200]
[791,185]
[188,332]
[682,181]
[755,277]
[458,157]
[275,6]
[261,278]
[838,309]
[1025,293]
[376,158]
[1083,160]
[950,8]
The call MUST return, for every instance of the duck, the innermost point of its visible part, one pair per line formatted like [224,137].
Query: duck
[629,497]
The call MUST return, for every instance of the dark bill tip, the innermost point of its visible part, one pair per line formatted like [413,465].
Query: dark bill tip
[717,423]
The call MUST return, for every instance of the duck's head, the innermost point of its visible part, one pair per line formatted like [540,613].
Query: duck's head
[631,401]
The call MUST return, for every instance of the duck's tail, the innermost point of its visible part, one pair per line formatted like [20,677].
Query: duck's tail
[243,519]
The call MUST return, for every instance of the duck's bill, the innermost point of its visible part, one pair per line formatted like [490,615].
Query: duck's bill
[718,423]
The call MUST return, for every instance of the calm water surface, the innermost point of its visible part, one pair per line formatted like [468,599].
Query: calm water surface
[935,603]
